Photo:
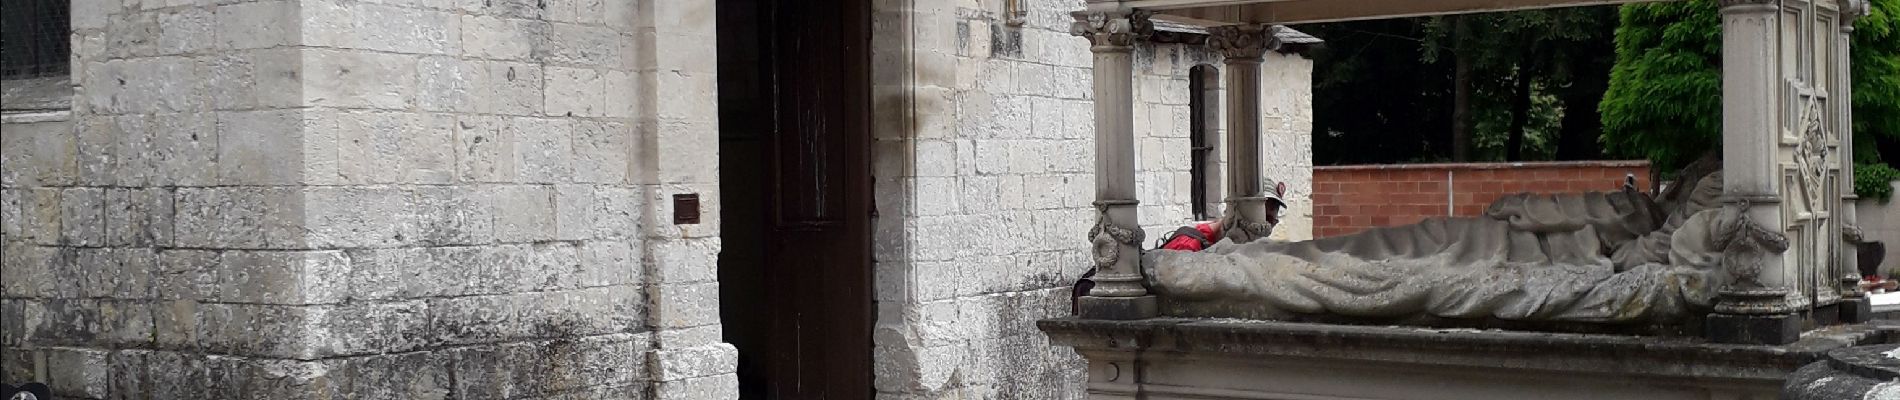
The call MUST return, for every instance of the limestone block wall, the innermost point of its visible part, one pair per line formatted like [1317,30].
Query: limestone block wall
[327,198]
[1162,113]
[984,159]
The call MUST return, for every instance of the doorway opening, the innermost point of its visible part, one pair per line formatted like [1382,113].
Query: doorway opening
[795,187]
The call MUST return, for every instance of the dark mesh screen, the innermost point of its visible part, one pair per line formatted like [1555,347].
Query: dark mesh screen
[34,38]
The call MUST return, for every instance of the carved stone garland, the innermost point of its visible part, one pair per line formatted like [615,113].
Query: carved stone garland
[1747,247]
[1107,238]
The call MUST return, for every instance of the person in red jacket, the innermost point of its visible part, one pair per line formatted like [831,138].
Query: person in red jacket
[1198,237]
[1191,238]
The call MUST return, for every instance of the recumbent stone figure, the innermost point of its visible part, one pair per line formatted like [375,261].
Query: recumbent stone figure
[1615,257]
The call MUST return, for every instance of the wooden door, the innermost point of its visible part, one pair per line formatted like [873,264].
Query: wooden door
[798,135]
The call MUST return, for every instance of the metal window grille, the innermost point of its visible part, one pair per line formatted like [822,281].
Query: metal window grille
[35,38]
[1200,141]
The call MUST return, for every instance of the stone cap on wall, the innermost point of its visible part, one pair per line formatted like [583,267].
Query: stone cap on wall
[1490,165]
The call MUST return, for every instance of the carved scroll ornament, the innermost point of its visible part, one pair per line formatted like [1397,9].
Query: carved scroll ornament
[1852,10]
[1110,29]
[1242,41]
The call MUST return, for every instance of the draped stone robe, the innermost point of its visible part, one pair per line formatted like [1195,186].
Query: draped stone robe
[1591,257]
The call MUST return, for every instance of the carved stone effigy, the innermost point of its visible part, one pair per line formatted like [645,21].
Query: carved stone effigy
[1595,257]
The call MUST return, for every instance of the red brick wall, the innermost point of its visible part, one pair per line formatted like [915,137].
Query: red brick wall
[1349,199]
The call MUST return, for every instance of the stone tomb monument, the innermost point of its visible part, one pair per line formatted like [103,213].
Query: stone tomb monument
[1717,289]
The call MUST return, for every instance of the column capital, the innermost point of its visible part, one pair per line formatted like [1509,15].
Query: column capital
[1852,10]
[1726,5]
[1242,42]
[1114,29]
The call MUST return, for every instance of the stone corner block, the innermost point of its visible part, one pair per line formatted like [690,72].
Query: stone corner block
[725,386]
[697,362]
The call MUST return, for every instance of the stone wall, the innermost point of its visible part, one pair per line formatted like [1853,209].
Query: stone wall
[984,162]
[422,199]
[1880,221]
[453,199]
[1162,136]
[1352,198]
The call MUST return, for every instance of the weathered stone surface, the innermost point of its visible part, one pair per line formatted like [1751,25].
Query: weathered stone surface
[358,79]
[261,24]
[484,152]
[514,87]
[357,216]
[251,147]
[380,27]
[246,218]
[544,149]
[185,31]
[575,92]
[1866,372]
[573,206]
[272,331]
[78,373]
[685,305]
[713,387]
[253,79]
[523,213]
[356,329]
[422,375]
[38,154]
[695,362]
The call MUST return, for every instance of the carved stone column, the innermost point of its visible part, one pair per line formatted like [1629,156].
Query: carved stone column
[1855,306]
[1758,307]
[1244,47]
[1116,239]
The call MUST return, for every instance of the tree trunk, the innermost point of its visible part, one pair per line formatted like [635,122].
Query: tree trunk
[1520,113]
[1461,93]
[1582,122]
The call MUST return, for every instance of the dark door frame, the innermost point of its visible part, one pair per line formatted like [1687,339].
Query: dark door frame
[800,307]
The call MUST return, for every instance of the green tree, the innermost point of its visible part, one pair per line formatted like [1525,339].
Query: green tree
[1497,86]
[1527,75]
[1664,99]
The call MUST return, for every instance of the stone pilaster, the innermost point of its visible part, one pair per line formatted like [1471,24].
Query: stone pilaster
[1855,306]
[1243,48]
[1117,236]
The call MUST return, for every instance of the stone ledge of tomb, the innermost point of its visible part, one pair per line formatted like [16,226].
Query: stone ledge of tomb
[1248,341]
[1497,165]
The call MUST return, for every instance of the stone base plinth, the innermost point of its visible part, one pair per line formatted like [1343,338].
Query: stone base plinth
[1771,329]
[1857,310]
[1117,308]
[1233,359]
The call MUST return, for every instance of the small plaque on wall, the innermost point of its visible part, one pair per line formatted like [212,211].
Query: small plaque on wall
[686,209]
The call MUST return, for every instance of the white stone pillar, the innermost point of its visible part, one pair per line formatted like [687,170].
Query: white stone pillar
[1757,305]
[1244,47]
[1751,97]
[1116,239]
